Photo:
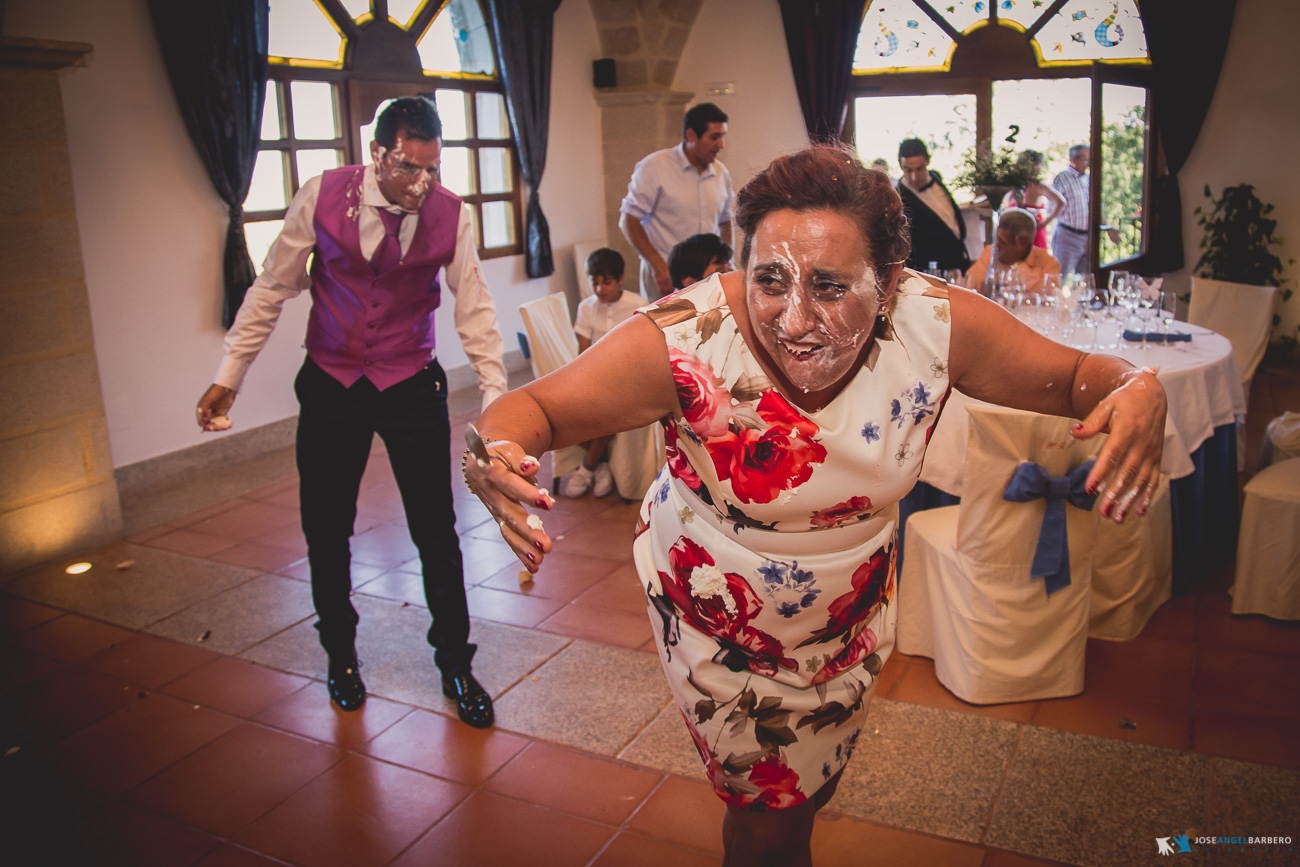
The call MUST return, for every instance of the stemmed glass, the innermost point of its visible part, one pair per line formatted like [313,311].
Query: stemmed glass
[1092,310]
[1051,302]
[1147,308]
[1168,311]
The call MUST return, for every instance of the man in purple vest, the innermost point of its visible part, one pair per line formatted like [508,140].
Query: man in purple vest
[379,235]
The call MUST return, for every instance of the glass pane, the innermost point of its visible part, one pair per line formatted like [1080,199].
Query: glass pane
[457,40]
[492,120]
[299,29]
[1043,114]
[898,36]
[260,236]
[946,123]
[402,11]
[451,109]
[494,170]
[271,114]
[312,163]
[454,171]
[1093,30]
[1021,13]
[498,224]
[1123,169]
[962,16]
[357,8]
[267,192]
[313,110]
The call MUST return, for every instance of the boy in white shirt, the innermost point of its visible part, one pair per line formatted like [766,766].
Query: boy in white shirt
[608,306]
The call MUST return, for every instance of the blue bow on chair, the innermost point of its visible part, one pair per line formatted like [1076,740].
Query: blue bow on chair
[1031,482]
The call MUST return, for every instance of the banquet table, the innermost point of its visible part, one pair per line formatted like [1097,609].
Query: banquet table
[1203,385]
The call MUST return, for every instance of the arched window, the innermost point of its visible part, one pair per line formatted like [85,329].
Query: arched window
[336,63]
[1021,74]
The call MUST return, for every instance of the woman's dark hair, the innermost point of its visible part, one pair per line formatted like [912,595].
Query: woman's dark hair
[414,116]
[605,262]
[830,177]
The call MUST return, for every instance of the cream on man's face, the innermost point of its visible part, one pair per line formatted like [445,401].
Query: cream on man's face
[812,295]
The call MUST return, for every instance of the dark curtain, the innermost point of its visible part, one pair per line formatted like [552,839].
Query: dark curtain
[822,36]
[1186,55]
[521,35]
[215,54]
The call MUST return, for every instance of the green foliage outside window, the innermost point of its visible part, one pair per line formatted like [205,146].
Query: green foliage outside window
[1124,147]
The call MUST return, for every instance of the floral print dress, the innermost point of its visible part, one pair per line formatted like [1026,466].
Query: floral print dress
[766,544]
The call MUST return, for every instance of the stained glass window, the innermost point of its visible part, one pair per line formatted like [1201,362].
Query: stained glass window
[299,31]
[1085,30]
[897,35]
[902,36]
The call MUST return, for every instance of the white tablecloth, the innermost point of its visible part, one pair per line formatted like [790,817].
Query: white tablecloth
[1200,378]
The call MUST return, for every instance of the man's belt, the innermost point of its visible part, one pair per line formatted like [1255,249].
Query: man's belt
[1072,229]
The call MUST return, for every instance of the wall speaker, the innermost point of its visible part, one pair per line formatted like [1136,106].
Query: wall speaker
[602,72]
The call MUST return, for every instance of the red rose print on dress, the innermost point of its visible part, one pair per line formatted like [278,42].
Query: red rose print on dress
[721,604]
[706,405]
[762,464]
[857,650]
[842,513]
[778,786]
[872,583]
[678,465]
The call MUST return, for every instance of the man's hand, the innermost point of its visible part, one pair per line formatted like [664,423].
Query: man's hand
[662,278]
[215,404]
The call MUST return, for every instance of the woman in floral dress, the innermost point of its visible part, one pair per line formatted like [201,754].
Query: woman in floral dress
[797,398]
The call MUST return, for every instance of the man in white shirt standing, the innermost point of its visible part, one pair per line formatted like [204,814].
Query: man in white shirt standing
[377,236]
[1070,239]
[678,192]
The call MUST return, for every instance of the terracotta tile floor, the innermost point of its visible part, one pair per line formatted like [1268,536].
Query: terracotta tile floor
[127,748]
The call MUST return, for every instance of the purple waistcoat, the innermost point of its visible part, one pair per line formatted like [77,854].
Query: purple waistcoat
[361,324]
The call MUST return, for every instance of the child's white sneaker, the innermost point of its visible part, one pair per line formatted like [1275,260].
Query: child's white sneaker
[604,483]
[578,482]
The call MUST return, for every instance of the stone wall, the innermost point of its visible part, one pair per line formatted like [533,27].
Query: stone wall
[642,113]
[57,492]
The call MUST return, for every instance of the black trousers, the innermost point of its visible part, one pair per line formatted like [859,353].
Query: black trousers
[336,426]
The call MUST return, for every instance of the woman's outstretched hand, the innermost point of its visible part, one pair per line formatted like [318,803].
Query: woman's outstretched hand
[1128,468]
[505,485]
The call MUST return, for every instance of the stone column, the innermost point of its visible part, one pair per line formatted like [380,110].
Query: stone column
[642,114]
[57,492]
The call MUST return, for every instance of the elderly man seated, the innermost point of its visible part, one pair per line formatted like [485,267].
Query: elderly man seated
[1016,252]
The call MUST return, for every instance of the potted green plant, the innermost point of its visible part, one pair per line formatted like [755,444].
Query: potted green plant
[994,173]
[1238,241]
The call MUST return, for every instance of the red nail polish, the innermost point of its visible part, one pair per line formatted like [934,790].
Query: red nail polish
[1076,427]
[537,545]
[532,558]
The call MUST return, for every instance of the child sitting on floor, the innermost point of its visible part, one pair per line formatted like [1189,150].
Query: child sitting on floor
[597,316]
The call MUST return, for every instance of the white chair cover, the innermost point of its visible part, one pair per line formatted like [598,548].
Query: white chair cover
[966,597]
[1268,548]
[1132,569]
[1281,439]
[1241,313]
[635,457]
[552,344]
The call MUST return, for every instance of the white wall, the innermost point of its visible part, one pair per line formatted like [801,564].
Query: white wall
[1250,133]
[152,228]
[743,42]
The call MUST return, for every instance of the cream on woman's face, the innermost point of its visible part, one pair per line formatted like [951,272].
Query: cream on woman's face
[812,295]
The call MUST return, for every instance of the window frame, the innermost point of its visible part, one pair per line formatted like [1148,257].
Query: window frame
[998,52]
[359,90]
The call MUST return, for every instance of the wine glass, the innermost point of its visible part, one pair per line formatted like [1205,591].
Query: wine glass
[1051,301]
[1091,310]
[1147,308]
[1168,311]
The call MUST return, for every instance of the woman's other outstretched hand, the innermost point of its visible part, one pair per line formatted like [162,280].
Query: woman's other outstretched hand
[1127,470]
[505,485]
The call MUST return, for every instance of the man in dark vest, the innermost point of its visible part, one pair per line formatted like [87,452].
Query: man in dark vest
[377,235]
[938,230]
